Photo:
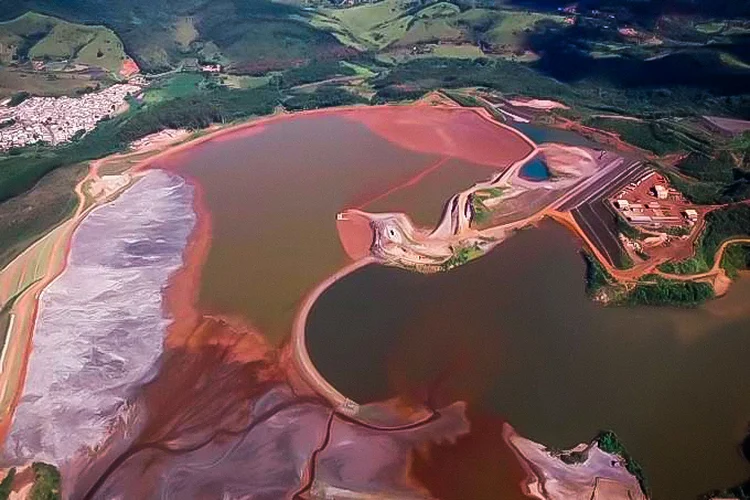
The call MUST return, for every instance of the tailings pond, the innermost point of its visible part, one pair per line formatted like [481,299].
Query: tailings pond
[273,191]
[515,336]
[541,134]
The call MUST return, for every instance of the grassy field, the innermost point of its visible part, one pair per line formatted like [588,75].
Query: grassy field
[185,32]
[42,84]
[178,85]
[512,27]
[711,28]
[733,61]
[432,24]
[4,323]
[26,217]
[245,82]
[37,36]
[396,23]
[374,25]
[358,69]
[393,23]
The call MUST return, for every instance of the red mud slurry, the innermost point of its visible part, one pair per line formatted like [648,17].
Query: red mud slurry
[242,133]
[356,235]
[409,182]
[458,133]
[479,466]
[211,369]
[212,372]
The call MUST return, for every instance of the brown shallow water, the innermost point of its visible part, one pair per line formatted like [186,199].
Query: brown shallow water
[273,197]
[515,335]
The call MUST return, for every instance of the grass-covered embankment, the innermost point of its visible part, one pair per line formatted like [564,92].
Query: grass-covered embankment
[461,256]
[29,215]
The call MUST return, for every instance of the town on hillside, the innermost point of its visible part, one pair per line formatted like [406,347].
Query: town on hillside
[55,120]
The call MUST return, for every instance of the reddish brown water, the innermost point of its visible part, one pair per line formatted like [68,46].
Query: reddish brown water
[273,196]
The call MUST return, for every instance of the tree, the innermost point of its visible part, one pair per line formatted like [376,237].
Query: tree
[740,146]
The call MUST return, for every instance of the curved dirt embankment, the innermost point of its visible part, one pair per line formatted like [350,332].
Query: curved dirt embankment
[299,345]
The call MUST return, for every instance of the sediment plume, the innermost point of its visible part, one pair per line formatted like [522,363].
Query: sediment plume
[355,234]
[479,465]
[375,462]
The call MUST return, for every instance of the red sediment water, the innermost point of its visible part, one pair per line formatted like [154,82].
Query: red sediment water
[242,133]
[356,235]
[458,133]
[479,466]
[211,369]
[409,182]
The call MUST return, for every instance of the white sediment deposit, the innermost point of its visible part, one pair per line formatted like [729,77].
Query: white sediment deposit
[592,474]
[100,327]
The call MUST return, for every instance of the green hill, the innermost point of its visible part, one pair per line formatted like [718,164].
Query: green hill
[40,37]
[246,36]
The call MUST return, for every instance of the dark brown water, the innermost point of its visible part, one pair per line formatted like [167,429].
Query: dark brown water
[273,198]
[514,334]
